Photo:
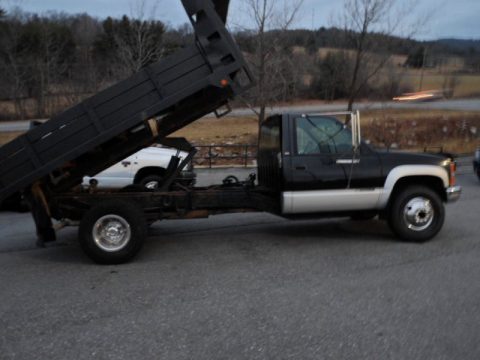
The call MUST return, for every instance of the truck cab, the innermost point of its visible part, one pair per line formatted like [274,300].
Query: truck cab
[318,165]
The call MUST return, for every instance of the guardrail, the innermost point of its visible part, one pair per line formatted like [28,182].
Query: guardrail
[243,155]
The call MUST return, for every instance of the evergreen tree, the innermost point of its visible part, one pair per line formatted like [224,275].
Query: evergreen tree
[416,58]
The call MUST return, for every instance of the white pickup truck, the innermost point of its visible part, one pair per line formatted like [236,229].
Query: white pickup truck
[145,168]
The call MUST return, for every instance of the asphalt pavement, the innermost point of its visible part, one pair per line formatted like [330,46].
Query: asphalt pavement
[453,104]
[248,286]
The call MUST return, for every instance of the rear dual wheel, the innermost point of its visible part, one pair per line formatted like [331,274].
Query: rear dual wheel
[113,232]
[417,214]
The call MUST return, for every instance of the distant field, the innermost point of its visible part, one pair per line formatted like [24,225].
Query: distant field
[5,137]
[416,129]
[234,130]
[415,114]
[433,79]
[207,131]
[468,85]
[457,131]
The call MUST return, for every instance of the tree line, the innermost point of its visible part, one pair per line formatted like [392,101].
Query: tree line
[49,62]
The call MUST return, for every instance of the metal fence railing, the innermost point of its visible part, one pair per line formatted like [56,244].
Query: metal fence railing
[245,155]
[226,155]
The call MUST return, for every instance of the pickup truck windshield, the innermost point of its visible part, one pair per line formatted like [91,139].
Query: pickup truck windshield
[322,135]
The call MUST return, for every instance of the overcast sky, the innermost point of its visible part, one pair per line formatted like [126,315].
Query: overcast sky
[458,19]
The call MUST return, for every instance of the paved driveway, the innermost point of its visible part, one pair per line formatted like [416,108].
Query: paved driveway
[249,286]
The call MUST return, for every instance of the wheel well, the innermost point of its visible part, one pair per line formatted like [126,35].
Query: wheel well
[432,182]
[148,171]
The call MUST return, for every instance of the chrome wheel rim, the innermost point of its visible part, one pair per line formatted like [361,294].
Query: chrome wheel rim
[418,214]
[111,233]
[152,185]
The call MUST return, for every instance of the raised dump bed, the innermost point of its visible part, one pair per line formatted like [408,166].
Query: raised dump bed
[120,120]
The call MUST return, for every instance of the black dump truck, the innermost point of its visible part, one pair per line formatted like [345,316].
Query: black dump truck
[309,165]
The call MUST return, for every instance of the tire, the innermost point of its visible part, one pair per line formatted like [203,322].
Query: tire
[151,182]
[127,227]
[417,214]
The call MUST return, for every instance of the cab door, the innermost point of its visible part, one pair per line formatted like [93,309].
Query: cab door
[320,144]
[326,169]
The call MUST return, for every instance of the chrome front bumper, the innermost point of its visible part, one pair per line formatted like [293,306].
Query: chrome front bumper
[453,193]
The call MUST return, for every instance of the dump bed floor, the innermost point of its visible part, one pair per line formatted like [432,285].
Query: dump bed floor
[162,89]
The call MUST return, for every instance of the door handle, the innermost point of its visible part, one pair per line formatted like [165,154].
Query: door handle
[301,167]
[126,163]
[348,161]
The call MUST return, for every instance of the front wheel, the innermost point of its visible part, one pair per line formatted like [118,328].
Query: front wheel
[417,214]
[112,232]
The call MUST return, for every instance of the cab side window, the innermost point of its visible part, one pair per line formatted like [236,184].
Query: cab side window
[322,135]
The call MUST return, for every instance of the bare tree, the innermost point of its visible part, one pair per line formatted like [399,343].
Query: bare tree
[369,27]
[12,69]
[273,69]
[84,78]
[141,45]
[450,84]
